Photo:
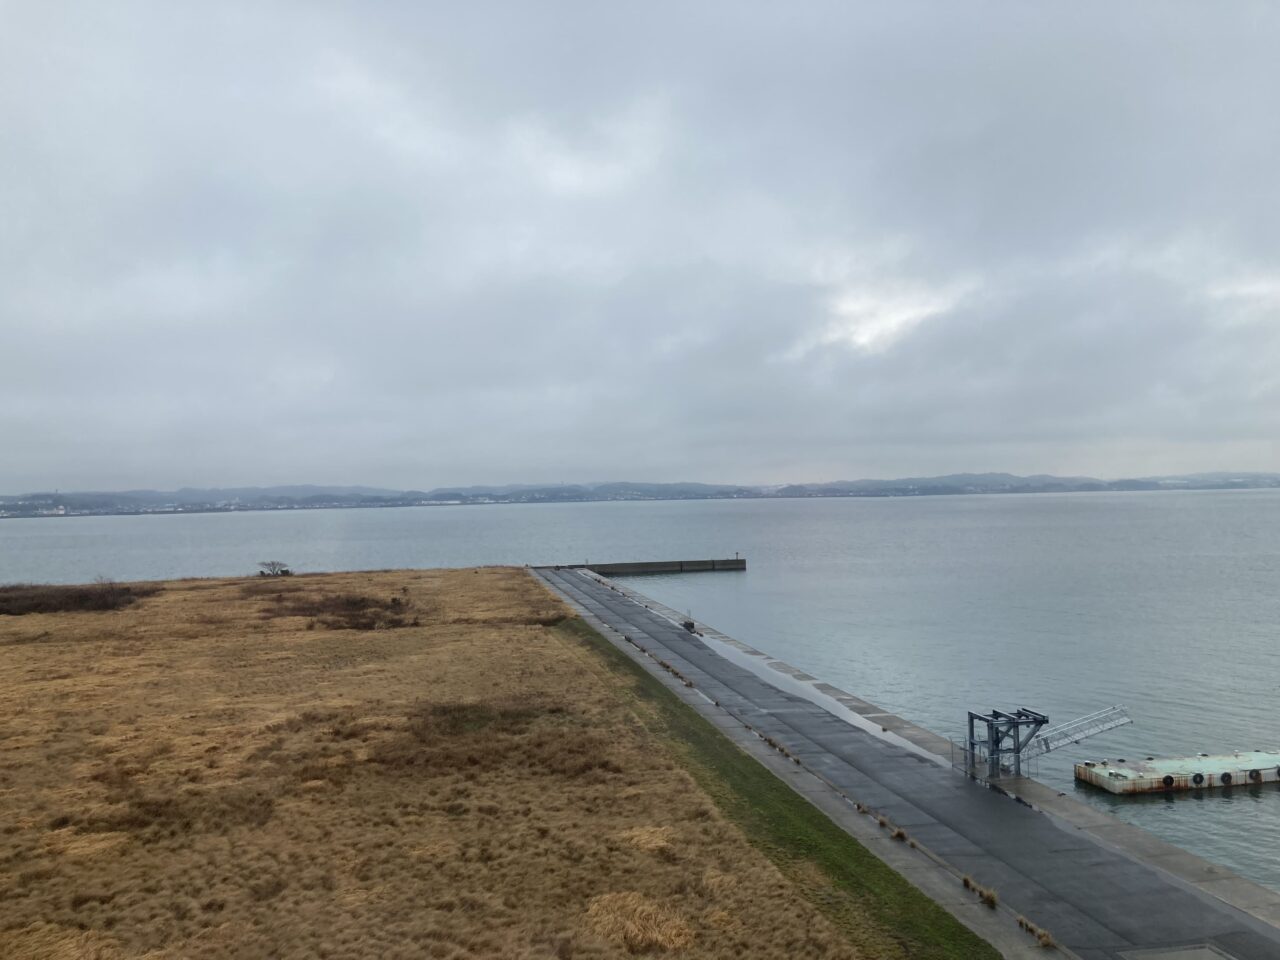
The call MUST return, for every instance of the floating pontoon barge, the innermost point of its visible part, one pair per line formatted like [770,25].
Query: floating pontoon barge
[1163,775]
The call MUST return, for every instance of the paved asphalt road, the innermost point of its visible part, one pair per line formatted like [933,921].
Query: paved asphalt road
[1098,902]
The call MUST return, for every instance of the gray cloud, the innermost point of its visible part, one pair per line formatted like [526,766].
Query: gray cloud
[442,244]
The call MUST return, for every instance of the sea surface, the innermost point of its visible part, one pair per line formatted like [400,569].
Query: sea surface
[1168,603]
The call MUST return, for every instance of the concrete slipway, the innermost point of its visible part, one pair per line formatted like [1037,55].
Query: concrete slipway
[1103,889]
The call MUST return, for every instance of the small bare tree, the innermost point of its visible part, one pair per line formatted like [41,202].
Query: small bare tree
[274,568]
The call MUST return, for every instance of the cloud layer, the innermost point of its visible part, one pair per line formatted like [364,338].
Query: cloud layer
[434,244]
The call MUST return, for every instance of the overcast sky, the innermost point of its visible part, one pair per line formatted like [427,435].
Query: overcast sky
[417,244]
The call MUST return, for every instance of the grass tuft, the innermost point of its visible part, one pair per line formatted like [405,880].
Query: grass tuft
[638,923]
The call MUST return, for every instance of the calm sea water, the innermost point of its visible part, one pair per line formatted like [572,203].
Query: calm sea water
[1166,602]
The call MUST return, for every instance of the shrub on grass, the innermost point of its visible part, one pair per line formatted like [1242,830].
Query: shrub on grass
[23,598]
[477,736]
[430,720]
[344,611]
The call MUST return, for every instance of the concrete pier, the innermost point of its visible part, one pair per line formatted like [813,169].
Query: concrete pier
[1103,889]
[1168,774]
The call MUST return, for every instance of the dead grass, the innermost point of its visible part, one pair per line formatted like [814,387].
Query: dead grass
[187,778]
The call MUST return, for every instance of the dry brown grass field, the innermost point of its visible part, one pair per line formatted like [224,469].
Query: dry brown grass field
[373,765]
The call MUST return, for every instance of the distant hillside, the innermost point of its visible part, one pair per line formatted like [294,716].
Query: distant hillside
[313,497]
[951,483]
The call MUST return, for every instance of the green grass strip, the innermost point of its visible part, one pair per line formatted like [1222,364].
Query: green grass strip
[792,832]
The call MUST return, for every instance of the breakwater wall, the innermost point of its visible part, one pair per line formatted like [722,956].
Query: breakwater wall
[641,567]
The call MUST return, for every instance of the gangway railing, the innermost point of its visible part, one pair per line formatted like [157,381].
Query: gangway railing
[1073,731]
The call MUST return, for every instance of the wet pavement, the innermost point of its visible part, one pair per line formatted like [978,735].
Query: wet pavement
[1099,902]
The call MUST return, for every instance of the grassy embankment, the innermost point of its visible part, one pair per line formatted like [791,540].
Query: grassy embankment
[871,903]
[397,764]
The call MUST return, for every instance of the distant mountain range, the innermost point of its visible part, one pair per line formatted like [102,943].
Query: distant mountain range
[305,497]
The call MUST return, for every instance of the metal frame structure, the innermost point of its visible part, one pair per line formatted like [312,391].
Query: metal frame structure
[1014,740]
[1007,735]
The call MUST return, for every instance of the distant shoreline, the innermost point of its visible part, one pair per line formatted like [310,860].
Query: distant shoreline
[62,512]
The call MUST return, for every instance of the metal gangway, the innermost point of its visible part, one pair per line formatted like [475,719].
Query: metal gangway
[1073,731]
